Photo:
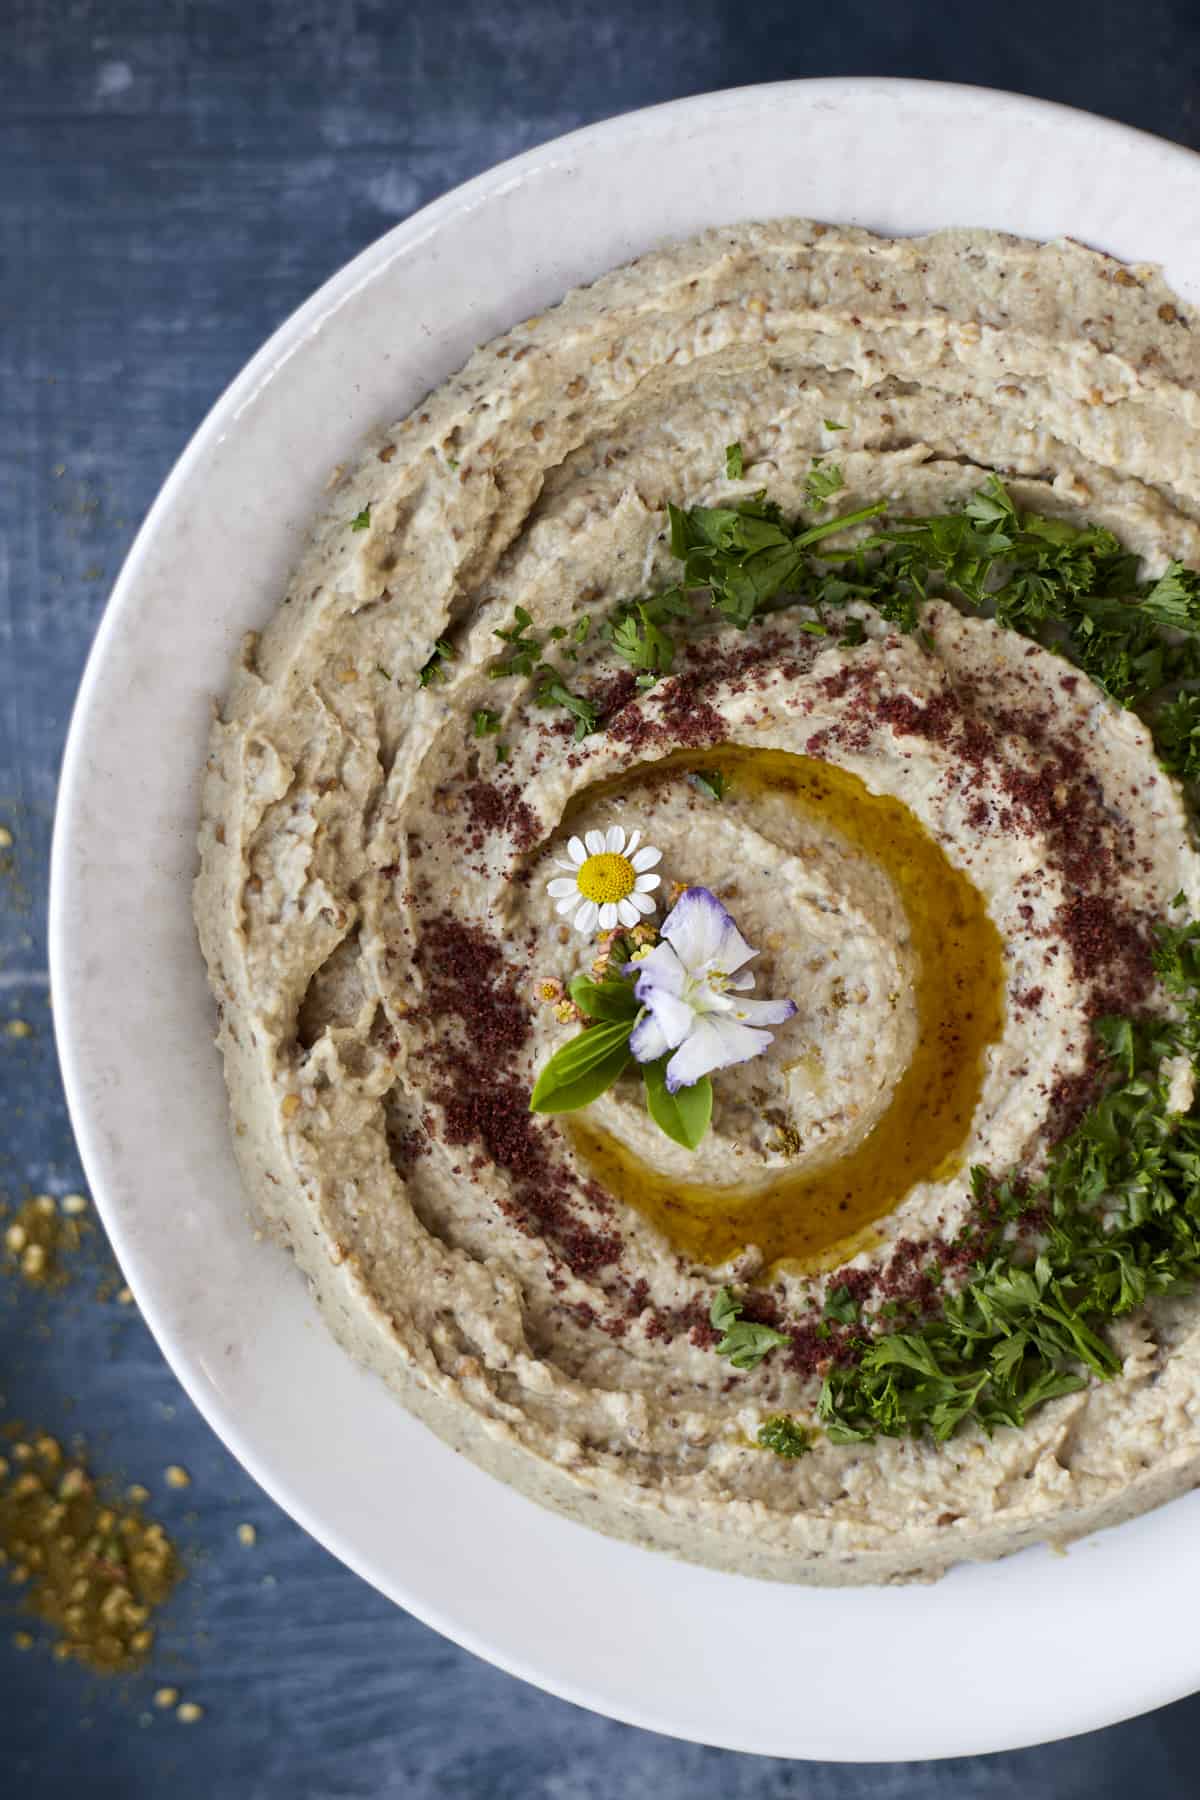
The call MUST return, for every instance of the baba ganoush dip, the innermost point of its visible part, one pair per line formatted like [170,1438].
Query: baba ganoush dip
[746,710]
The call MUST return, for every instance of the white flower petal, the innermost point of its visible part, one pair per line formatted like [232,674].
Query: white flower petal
[627,913]
[676,1017]
[561,885]
[646,1041]
[614,841]
[661,969]
[704,934]
[645,858]
[585,918]
[570,867]
[635,838]
[595,843]
[764,1012]
[563,907]
[646,884]
[608,915]
[742,982]
[577,851]
[643,902]
[713,1044]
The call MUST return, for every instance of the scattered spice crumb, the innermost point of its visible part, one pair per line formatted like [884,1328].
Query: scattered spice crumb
[74,1204]
[22,1640]
[39,1236]
[124,1296]
[177,1477]
[6,838]
[18,1028]
[137,1495]
[89,1565]
[188,1713]
[165,1696]
[247,1535]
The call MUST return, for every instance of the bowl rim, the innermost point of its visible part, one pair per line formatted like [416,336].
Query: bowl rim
[97,1152]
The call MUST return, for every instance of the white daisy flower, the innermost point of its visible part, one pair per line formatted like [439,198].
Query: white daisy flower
[609,883]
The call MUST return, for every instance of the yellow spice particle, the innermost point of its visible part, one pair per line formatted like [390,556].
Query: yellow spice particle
[166,1696]
[6,838]
[247,1535]
[177,1477]
[189,1712]
[73,1204]
[124,1296]
[22,1640]
[137,1493]
[33,1260]
[15,1239]
[46,1204]
[290,1106]
[19,1028]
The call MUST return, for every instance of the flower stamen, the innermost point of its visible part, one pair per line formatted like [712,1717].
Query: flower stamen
[606,878]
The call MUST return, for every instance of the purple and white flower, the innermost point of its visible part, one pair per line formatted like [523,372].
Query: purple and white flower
[692,986]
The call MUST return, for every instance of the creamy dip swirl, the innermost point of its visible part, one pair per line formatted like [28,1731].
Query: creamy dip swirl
[949,847]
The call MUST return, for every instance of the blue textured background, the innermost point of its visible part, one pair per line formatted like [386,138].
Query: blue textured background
[174,179]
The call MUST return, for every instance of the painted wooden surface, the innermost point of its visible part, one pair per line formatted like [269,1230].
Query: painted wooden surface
[174,178]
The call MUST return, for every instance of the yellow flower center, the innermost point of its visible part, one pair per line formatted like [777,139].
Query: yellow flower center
[606,878]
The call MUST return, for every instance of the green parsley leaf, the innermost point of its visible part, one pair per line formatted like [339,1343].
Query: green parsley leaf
[583,1069]
[554,692]
[823,480]
[525,647]
[362,520]
[433,669]
[745,1344]
[502,753]
[486,722]
[832,425]
[684,1115]
[841,1305]
[734,462]
[785,1436]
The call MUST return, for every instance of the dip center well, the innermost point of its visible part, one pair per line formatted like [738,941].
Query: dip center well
[812,1217]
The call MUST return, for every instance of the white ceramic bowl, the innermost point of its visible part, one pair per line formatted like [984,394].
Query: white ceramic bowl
[990,1658]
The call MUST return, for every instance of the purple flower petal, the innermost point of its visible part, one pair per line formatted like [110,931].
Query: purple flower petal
[702,932]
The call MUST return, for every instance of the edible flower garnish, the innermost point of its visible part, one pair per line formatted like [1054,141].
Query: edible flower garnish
[691,986]
[609,883]
[677,1010]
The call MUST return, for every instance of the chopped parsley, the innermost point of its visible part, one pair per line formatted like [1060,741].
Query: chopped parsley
[744,1343]
[823,480]
[525,648]
[785,1436]
[433,669]
[553,691]
[734,462]
[362,520]
[841,1305]
[832,425]
[1116,1225]
[485,722]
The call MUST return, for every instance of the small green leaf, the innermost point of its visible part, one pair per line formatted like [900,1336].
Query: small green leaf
[604,999]
[362,521]
[583,1069]
[785,1436]
[734,462]
[485,721]
[743,1343]
[841,1305]
[709,781]
[832,425]
[822,481]
[685,1115]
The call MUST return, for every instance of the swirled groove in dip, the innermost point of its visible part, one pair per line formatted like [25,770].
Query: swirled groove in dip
[951,971]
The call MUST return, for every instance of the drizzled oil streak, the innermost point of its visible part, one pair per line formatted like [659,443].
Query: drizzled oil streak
[812,1218]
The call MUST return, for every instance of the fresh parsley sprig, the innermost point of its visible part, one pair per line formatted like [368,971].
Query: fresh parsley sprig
[743,1342]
